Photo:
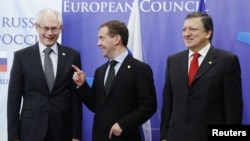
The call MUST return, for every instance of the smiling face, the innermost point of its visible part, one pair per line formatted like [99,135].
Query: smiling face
[194,35]
[107,43]
[48,28]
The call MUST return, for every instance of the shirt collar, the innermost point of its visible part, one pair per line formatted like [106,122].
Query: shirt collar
[202,52]
[42,47]
[121,57]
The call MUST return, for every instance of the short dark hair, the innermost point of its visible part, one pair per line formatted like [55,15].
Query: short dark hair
[116,27]
[205,19]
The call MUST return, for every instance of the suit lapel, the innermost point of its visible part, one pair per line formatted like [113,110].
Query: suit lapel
[37,60]
[208,62]
[124,69]
[36,57]
[101,76]
[183,65]
[61,61]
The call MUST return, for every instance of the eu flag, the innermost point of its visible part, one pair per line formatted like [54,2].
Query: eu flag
[202,6]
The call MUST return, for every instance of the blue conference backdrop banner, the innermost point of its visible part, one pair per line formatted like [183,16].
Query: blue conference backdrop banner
[161,28]
[160,24]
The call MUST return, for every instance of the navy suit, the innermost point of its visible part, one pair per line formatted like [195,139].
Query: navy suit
[131,101]
[214,97]
[61,107]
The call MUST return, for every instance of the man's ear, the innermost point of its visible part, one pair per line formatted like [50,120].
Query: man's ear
[118,39]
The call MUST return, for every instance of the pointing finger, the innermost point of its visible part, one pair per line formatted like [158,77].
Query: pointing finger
[110,134]
[75,68]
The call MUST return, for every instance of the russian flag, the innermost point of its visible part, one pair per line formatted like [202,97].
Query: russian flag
[136,49]
[3,61]
[134,27]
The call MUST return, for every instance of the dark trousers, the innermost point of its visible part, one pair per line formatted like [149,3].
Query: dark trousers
[48,136]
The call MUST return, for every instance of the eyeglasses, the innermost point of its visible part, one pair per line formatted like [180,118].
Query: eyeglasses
[46,29]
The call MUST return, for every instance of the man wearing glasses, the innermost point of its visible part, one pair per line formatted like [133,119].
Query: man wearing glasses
[42,104]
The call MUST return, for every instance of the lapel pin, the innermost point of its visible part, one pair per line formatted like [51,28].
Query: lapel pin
[210,62]
[63,54]
[129,66]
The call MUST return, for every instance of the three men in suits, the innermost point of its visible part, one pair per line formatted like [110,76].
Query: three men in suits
[36,113]
[215,94]
[131,99]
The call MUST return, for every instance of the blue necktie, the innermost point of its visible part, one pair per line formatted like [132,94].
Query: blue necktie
[48,68]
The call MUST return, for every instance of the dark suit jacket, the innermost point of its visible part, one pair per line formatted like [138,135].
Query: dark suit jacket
[61,107]
[215,96]
[131,101]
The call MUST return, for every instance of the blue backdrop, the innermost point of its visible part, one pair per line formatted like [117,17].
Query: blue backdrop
[161,28]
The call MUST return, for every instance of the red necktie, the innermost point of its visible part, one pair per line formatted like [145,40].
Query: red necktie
[193,68]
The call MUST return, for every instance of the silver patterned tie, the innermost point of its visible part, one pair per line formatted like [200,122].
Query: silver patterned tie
[48,68]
